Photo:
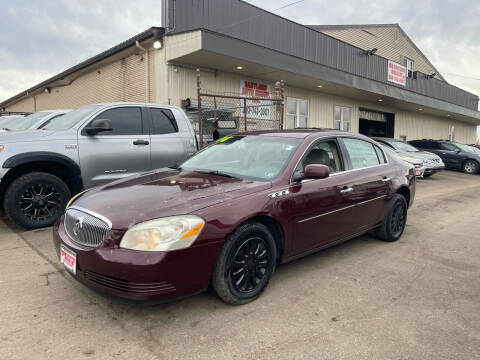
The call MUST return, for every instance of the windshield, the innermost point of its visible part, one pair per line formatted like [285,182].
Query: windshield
[400,145]
[70,119]
[17,124]
[257,157]
[466,148]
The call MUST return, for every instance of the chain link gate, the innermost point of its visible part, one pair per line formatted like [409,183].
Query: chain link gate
[219,114]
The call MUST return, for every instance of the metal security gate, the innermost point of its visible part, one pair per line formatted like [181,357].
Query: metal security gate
[219,114]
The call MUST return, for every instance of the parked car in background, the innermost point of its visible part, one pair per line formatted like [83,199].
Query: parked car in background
[227,215]
[455,156]
[33,121]
[90,146]
[416,163]
[430,162]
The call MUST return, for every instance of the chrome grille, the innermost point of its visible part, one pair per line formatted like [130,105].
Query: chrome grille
[85,227]
[432,162]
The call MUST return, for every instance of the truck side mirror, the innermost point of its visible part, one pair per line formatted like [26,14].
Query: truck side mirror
[98,126]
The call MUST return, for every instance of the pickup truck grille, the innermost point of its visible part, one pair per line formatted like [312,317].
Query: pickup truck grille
[85,227]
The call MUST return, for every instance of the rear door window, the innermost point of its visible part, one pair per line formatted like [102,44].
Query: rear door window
[125,121]
[163,122]
[362,153]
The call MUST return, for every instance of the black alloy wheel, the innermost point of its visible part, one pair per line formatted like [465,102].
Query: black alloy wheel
[36,199]
[395,219]
[398,219]
[40,201]
[245,264]
[250,264]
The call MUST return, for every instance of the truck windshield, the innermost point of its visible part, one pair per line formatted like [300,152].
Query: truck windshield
[256,157]
[23,123]
[70,119]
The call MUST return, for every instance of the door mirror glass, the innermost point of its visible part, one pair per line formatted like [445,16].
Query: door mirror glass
[98,126]
[316,171]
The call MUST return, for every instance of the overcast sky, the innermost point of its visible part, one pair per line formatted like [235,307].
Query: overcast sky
[40,38]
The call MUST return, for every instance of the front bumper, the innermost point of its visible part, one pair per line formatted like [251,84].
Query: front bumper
[432,170]
[140,275]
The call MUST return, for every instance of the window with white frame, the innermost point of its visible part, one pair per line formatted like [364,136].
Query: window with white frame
[341,118]
[297,113]
[409,66]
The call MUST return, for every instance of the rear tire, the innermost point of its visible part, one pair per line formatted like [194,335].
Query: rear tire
[36,200]
[470,167]
[395,220]
[245,264]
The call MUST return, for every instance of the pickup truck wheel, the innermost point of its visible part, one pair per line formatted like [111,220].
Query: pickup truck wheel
[395,220]
[245,264]
[36,200]
[470,167]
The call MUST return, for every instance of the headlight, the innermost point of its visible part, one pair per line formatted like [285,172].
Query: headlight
[165,234]
[74,198]
[410,160]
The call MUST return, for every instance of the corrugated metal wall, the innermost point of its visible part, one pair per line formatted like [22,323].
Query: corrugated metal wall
[181,84]
[121,80]
[249,23]
[390,42]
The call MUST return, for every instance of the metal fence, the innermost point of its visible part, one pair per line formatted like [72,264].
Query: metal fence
[217,114]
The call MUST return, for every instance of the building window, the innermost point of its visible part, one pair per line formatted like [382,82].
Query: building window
[341,118]
[409,66]
[297,113]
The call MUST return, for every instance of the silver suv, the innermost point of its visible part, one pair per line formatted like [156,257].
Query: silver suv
[95,144]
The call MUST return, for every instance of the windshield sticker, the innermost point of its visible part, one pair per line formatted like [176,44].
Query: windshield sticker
[225,138]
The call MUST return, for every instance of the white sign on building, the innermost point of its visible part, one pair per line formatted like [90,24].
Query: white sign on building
[397,73]
[255,89]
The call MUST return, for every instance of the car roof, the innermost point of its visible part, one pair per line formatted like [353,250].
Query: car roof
[296,133]
[120,103]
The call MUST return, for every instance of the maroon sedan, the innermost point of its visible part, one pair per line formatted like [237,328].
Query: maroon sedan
[229,214]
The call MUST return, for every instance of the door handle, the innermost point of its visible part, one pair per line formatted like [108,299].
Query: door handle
[386,179]
[141,142]
[346,190]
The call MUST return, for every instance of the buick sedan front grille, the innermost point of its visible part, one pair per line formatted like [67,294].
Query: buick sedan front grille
[85,227]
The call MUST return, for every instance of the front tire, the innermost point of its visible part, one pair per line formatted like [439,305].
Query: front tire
[395,220]
[36,200]
[245,264]
[470,167]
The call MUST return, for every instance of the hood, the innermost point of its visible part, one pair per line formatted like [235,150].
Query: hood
[27,135]
[420,155]
[162,193]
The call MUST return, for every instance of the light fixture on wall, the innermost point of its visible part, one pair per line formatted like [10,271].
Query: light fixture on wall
[157,44]
[47,90]
[371,52]
[380,100]
[431,76]
[319,86]
[239,67]
[420,109]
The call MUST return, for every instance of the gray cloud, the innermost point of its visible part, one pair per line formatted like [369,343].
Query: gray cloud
[41,38]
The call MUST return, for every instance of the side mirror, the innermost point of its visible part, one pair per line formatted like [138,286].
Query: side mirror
[98,126]
[316,171]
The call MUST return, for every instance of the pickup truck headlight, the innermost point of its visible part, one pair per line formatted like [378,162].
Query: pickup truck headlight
[164,234]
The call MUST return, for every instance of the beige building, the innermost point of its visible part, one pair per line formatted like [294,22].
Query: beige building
[368,78]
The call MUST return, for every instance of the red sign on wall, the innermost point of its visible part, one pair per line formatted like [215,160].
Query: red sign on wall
[397,73]
[256,90]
